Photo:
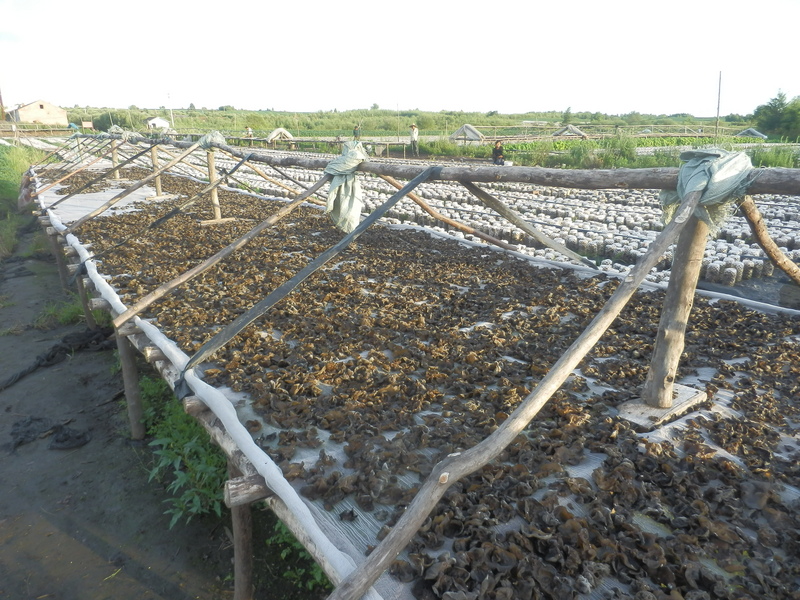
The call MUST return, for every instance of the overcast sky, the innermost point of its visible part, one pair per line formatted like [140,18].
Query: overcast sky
[512,56]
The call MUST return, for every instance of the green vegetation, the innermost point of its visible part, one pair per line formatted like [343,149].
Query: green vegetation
[186,459]
[301,569]
[14,161]
[66,312]
[779,117]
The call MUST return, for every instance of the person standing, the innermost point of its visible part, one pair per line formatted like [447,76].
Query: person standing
[414,134]
[357,132]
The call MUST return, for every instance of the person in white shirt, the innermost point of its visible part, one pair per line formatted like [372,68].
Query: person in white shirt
[414,140]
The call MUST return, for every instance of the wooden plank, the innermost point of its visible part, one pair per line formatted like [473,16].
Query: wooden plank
[753,217]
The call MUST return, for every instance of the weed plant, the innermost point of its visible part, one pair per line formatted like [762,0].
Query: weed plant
[301,569]
[192,467]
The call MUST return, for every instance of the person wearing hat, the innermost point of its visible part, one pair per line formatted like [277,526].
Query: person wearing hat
[414,140]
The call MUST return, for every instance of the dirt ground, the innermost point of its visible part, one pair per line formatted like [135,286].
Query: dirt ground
[81,521]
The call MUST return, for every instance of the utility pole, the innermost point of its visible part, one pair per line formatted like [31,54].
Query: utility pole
[719,95]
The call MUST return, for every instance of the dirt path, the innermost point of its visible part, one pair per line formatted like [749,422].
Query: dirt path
[83,523]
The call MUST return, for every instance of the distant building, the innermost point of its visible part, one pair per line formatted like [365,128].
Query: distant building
[157,123]
[40,112]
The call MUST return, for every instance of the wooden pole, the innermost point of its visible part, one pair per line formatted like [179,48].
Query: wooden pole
[166,288]
[440,217]
[87,311]
[759,229]
[115,159]
[212,177]
[154,158]
[140,184]
[517,220]
[689,250]
[70,174]
[242,527]
[130,380]
[61,263]
[459,465]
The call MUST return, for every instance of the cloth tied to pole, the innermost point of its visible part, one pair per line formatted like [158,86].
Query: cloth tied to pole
[345,199]
[213,137]
[124,135]
[721,176]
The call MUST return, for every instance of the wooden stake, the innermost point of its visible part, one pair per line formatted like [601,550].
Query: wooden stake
[689,249]
[166,288]
[130,379]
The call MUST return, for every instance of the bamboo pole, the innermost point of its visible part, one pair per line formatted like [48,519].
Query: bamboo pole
[166,288]
[455,224]
[668,348]
[140,184]
[753,217]
[517,220]
[459,465]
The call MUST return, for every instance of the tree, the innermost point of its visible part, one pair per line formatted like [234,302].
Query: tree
[769,116]
[191,106]
[566,116]
[374,106]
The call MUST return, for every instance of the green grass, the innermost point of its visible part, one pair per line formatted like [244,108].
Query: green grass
[67,312]
[14,161]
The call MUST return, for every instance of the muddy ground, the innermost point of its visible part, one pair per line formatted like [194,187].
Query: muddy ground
[82,522]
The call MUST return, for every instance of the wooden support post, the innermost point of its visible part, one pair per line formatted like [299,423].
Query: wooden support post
[154,157]
[115,158]
[55,249]
[87,311]
[242,526]
[689,249]
[212,177]
[130,380]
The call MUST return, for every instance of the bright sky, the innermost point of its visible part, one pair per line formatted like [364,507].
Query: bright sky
[512,56]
